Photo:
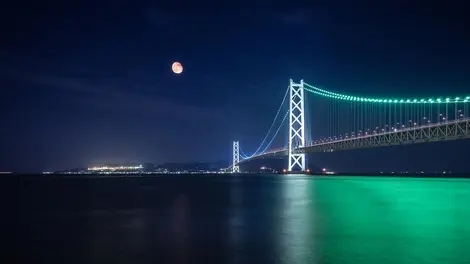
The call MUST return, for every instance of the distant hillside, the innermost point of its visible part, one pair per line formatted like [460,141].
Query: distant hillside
[194,165]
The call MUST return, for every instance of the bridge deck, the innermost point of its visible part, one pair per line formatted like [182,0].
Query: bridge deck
[458,129]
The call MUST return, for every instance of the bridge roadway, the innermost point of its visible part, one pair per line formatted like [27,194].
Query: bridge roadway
[452,130]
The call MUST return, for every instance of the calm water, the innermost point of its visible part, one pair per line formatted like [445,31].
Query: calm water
[225,219]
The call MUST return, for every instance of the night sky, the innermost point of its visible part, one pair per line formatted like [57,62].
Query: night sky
[91,82]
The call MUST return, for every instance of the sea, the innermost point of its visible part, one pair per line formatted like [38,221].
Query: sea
[235,219]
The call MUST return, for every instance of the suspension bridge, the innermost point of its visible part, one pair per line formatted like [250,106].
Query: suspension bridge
[346,122]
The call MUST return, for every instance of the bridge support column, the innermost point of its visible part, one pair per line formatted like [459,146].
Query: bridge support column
[296,126]
[236,157]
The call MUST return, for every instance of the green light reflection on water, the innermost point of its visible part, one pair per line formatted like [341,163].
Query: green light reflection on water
[391,220]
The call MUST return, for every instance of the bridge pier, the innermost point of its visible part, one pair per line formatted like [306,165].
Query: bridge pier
[296,126]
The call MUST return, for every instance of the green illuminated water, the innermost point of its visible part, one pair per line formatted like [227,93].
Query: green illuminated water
[391,220]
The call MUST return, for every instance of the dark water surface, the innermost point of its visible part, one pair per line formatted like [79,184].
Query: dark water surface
[227,219]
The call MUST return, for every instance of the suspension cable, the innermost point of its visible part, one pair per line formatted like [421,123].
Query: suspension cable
[275,134]
[242,154]
[272,125]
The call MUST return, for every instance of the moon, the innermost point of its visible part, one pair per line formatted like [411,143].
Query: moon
[176,67]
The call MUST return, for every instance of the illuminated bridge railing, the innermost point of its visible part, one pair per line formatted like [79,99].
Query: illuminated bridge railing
[451,130]
[270,153]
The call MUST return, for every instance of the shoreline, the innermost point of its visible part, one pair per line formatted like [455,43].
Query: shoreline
[158,175]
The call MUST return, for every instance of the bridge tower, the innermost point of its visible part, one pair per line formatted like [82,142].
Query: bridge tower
[236,157]
[296,125]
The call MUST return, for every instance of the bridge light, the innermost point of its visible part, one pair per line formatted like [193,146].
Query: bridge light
[396,101]
[408,100]
[447,99]
[467,98]
[457,98]
[414,101]
[401,101]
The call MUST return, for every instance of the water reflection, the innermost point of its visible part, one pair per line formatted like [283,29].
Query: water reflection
[179,235]
[112,234]
[297,223]
[256,219]
[236,222]
[394,220]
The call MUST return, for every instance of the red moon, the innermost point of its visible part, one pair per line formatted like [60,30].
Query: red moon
[176,67]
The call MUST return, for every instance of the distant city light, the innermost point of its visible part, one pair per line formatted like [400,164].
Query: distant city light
[115,168]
